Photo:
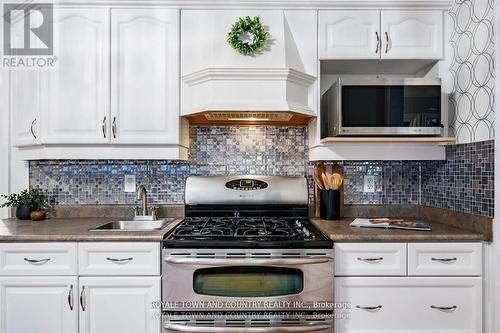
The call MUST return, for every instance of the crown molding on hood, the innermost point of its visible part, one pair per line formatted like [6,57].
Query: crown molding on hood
[249,74]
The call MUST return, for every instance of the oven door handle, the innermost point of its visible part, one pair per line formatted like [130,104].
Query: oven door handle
[214,329]
[247,262]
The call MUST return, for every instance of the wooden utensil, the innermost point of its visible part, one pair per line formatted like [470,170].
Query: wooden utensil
[326,181]
[336,181]
[317,179]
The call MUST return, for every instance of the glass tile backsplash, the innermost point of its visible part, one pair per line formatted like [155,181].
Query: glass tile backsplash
[464,182]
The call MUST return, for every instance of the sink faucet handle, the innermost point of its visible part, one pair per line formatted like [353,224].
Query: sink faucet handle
[136,210]
[154,211]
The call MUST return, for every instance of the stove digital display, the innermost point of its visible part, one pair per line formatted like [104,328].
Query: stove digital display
[246,183]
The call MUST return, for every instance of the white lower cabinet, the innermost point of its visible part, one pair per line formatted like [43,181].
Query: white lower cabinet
[410,304]
[96,297]
[448,299]
[35,304]
[119,304]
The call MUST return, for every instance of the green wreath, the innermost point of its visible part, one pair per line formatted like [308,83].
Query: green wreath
[247,25]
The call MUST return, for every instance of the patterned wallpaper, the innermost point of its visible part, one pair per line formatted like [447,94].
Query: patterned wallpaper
[464,182]
[472,70]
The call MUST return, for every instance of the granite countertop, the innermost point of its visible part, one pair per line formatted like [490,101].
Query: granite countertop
[340,231]
[75,230]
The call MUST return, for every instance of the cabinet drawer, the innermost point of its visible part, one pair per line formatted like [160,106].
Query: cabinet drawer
[119,258]
[445,259]
[410,304]
[38,259]
[370,259]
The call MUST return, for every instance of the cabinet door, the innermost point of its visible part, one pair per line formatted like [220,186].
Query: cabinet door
[145,76]
[349,35]
[409,304]
[412,34]
[25,95]
[119,304]
[38,304]
[77,108]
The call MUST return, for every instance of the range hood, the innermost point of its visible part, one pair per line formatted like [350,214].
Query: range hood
[275,86]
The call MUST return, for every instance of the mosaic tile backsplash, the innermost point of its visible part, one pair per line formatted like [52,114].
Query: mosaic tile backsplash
[464,182]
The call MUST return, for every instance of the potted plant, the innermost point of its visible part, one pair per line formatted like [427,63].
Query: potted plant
[26,202]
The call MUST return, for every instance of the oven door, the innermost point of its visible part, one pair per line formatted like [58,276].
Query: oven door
[236,280]
[246,323]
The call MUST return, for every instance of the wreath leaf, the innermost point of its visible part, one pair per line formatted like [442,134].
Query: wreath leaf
[252,25]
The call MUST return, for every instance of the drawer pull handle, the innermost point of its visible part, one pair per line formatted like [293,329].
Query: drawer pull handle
[369,308]
[82,301]
[444,308]
[120,261]
[444,259]
[70,297]
[371,259]
[37,261]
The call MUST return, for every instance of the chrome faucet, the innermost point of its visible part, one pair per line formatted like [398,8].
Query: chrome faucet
[143,195]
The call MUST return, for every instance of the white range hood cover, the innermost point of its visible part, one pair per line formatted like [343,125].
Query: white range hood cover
[280,78]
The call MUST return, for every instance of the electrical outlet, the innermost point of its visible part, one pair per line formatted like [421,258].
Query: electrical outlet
[369,184]
[130,183]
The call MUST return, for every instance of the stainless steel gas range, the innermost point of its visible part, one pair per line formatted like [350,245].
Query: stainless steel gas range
[247,259]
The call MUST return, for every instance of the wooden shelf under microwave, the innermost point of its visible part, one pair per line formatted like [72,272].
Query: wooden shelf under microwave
[392,139]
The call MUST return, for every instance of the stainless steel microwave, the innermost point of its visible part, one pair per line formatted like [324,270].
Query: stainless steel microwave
[382,107]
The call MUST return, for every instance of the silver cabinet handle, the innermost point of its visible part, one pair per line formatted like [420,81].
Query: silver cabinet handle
[104,127]
[371,259]
[281,329]
[123,260]
[113,127]
[444,308]
[70,298]
[37,261]
[444,259]
[369,308]
[31,128]
[386,42]
[378,42]
[247,262]
[82,301]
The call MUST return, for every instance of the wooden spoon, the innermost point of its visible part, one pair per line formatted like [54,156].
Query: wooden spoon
[336,181]
[326,181]
[317,179]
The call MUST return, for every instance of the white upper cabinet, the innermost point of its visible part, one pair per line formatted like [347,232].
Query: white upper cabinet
[349,34]
[77,108]
[145,76]
[383,34]
[25,105]
[412,34]
[25,95]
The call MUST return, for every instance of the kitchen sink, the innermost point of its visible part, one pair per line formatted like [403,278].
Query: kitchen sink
[133,225]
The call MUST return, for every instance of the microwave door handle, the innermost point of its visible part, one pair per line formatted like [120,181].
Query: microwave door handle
[278,329]
[247,262]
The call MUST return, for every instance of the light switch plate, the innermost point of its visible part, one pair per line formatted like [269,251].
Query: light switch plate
[130,183]
[369,184]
